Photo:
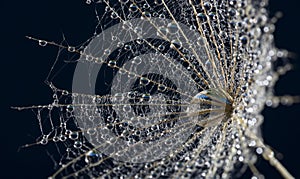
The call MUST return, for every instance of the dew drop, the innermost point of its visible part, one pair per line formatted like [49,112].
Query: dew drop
[42,43]
[73,135]
[91,131]
[127,47]
[123,1]
[207,6]
[71,49]
[202,17]
[91,157]
[44,140]
[146,14]
[244,40]
[107,51]
[161,87]
[112,63]
[172,28]
[146,97]
[114,15]
[144,81]
[133,8]
[259,150]
[137,60]
[161,47]
[77,144]
[158,2]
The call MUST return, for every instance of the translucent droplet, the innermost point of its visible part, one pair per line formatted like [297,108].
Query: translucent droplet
[114,38]
[133,8]
[112,63]
[244,40]
[172,28]
[55,139]
[89,58]
[202,17]
[71,49]
[77,144]
[137,60]
[146,97]
[146,14]
[107,51]
[232,12]
[69,108]
[123,1]
[207,6]
[259,150]
[161,87]
[162,31]
[114,15]
[73,135]
[62,138]
[92,157]
[176,43]
[44,140]
[158,2]
[127,47]
[161,47]
[42,43]
[91,131]
[144,81]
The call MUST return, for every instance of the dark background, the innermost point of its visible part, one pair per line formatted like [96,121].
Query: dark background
[25,65]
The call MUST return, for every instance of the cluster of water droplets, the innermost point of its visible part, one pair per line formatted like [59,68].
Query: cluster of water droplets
[177,91]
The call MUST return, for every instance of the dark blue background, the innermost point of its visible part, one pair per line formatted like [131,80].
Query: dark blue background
[25,65]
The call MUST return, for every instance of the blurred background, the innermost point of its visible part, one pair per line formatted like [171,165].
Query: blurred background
[25,66]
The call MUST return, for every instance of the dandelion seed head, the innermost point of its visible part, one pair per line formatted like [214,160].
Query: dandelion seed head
[168,89]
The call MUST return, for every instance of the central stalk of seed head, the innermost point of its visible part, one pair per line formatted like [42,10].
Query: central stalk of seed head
[210,107]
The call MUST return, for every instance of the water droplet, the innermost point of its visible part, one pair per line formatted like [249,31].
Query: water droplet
[42,43]
[92,157]
[176,43]
[73,135]
[146,97]
[232,12]
[77,144]
[162,31]
[161,87]
[244,40]
[114,38]
[207,6]
[71,49]
[137,60]
[107,51]
[114,15]
[89,58]
[146,14]
[62,138]
[123,1]
[44,140]
[91,131]
[112,63]
[144,81]
[172,28]
[259,150]
[158,2]
[161,47]
[127,47]
[133,8]
[70,108]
